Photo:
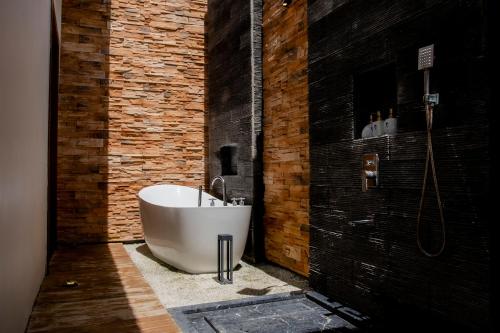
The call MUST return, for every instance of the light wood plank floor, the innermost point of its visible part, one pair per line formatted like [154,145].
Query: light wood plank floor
[111,296]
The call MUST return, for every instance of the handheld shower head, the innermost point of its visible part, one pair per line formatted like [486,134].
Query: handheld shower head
[425,62]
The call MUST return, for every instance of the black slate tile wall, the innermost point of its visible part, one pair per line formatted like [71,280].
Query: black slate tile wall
[363,244]
[234,83]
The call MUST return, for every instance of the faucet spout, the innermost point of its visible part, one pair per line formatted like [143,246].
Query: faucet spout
[224,199]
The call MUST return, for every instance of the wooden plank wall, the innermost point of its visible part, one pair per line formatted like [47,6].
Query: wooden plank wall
[131,110]
[363,244]
[286,135]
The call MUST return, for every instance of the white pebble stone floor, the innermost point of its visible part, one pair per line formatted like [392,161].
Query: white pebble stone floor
[176,288]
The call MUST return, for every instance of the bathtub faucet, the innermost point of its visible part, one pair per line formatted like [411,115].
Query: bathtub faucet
[223,188]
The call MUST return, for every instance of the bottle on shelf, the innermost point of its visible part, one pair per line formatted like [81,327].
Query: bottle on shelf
[378,126]
[391,124]
[367,131]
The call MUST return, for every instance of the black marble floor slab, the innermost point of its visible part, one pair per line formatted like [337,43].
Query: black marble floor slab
[296,312]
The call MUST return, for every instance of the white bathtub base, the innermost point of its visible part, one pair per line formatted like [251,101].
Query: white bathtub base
[185,236]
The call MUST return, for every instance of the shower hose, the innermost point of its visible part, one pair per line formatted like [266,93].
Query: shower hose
[430,160]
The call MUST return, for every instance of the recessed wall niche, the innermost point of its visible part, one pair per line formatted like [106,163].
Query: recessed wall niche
[374,90]
[229,160]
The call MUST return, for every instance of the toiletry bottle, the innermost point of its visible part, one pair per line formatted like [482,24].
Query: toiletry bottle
[391,124]
[368,129]
[378,126]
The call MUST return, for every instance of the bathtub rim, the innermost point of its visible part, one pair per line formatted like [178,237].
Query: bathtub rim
[184,207]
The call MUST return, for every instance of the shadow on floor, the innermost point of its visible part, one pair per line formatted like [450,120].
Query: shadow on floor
[255,292]
[283,274]
[145,251]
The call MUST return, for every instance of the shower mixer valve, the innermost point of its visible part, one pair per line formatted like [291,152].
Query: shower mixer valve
[370,171]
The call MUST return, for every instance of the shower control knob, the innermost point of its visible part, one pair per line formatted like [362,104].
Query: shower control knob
[233,201]
[241,201]
[212,202]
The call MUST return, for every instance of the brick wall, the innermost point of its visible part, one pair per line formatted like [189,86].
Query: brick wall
[286,135]
[131,110]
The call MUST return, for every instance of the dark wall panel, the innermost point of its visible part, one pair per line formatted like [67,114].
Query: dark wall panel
[363,244]
[234,68]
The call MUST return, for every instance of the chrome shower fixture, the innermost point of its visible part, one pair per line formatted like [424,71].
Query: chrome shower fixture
[426,57]
[426,61]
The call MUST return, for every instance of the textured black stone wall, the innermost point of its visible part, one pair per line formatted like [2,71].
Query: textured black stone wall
[234,70]
[363,244]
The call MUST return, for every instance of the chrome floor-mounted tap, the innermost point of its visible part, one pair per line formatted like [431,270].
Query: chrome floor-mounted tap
[224,199]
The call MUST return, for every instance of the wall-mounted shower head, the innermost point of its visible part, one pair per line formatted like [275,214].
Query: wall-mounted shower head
[426,57]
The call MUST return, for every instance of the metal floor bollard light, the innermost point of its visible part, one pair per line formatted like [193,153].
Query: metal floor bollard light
[228,240]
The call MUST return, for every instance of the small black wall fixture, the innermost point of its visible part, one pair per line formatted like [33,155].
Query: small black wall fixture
[287,3]
[228,156]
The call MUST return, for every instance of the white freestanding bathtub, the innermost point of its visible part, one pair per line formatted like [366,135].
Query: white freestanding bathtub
[184,235]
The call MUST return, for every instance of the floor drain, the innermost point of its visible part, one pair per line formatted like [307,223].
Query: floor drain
[71,283]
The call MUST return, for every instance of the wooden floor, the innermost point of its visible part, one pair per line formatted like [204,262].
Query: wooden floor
[111,296]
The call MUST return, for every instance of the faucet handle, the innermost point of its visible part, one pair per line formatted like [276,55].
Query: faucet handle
[241,201]
[233,201]
[212,202]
